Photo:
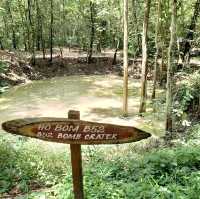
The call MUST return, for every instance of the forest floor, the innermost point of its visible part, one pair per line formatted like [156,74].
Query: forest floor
[147,169]
[18,67]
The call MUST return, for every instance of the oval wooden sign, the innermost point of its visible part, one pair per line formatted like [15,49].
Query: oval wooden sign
[70,131]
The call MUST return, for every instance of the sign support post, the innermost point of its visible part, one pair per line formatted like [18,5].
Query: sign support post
[76,161]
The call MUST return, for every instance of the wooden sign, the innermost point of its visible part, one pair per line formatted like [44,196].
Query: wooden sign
[73,131]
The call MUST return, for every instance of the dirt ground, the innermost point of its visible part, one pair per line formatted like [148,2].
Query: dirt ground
[71,62]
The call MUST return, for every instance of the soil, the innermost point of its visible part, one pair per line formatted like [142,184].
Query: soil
[21,69]
[68,62]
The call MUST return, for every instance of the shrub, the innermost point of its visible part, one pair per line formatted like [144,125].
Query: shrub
[187,99]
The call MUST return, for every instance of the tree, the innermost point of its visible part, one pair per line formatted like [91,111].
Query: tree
[190,34]
[14,40]
[136,29]
[92,33]
[171,63]
[39,26]
[125,88]
[24,24]
[143,95]
[157,48]
[51,33]
[31,25]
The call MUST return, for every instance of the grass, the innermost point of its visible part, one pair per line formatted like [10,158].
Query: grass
[32,171]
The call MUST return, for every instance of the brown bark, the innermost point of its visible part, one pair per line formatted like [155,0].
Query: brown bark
[51,33]
[20,4]
[115,54]
[157,48]
[190,34]
[92,34]
[14,41]
[125,62]
[171,61]
[31,24]
[144,58]
[38,30]
[1,44]
[136,27]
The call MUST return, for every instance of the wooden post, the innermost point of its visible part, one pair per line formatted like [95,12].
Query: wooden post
[76,161]
[125,60]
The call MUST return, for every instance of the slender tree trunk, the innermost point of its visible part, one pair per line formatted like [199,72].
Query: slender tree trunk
[43,47]
[190,33]
[40,43]
[14,41]
[60,33]
[23,20]
[6,32]
[163,68]
[39,21]
[42,37]
[92,34]
[43,42]
[32,30]
[138,49]
[115,54]
[144,58]
[1,44]
[171,62]
[51,33]
[157,48]
[125,63]
[64,26]
[28,30]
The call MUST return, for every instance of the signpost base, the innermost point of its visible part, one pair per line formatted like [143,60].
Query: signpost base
[76,161]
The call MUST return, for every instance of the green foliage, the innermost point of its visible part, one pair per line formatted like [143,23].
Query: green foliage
[3,68]
[187,97]
[193,135]
[165,173]
[72,23]
[25,165]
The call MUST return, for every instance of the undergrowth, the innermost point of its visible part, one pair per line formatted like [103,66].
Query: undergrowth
[3,68]
[160,173]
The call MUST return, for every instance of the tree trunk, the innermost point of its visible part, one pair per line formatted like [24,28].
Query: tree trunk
[125,63]
[190,33]
[144,58]
[171,62]
[23,21]
[32,31]
[51,33]
[6,29]
[138,48]
[39,21]
[92,34]
[1,44]
[163,67]
[28,30]
[64,20]
[43,42]
[192,27]
[115,54]
[157,48]
[14,41]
